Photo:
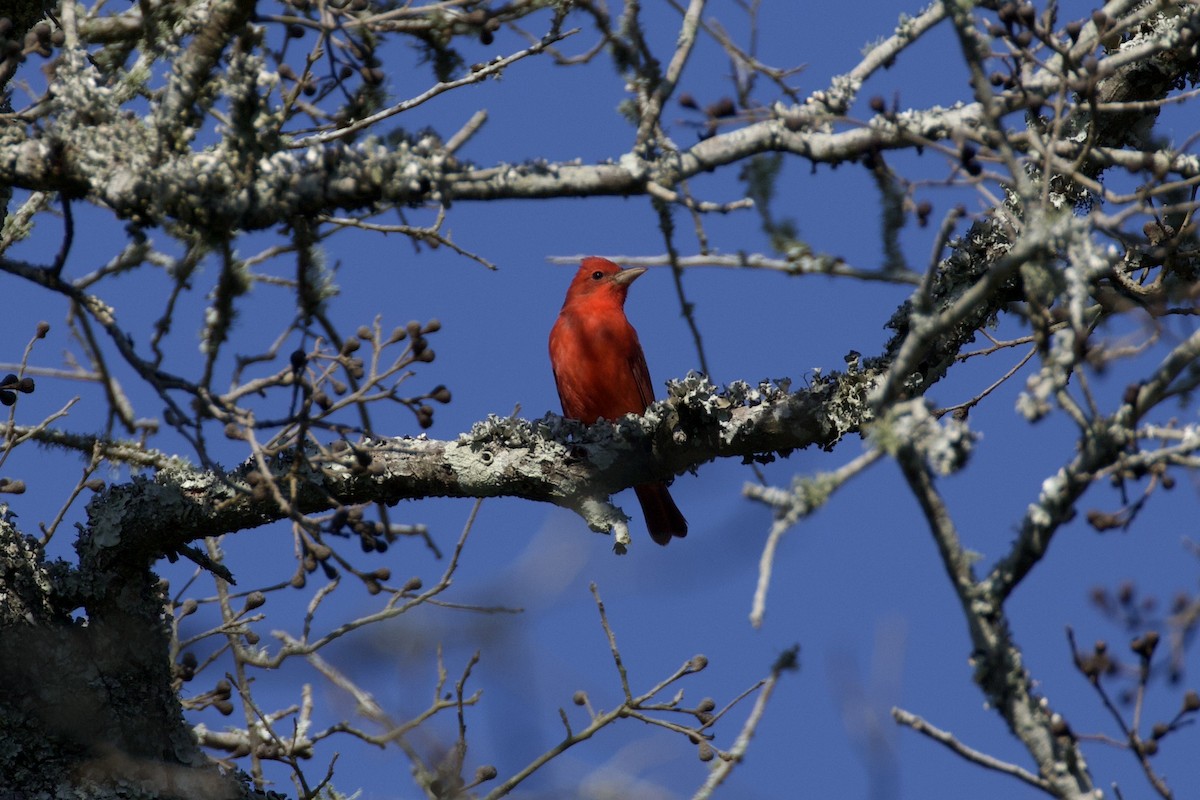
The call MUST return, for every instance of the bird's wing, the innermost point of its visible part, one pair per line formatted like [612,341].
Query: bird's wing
[558,385]
[641,374]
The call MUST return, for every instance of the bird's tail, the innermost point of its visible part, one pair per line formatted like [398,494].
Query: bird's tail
[662,515]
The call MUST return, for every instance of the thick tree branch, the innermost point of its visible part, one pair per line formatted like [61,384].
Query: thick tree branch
[550,460]
[998,661]
[110,159]
[222,20]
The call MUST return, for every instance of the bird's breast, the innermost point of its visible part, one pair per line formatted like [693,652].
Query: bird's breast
[594,359]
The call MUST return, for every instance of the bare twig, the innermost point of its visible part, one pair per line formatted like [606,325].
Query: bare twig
[970,754]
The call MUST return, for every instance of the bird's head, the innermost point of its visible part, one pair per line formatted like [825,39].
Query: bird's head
[599,277]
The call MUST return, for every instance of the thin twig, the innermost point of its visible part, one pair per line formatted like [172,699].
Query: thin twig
[982,759]
[730,759]
[475,76]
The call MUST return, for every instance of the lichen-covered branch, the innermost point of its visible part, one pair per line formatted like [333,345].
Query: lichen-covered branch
[550,460]
[998,661]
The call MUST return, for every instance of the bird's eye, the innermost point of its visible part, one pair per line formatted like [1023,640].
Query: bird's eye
[597,275]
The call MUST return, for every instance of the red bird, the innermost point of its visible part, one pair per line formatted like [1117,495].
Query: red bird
[601,371]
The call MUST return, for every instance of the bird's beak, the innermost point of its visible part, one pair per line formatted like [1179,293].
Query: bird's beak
[628,276]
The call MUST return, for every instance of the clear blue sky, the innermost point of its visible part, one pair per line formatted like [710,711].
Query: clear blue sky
[858,586]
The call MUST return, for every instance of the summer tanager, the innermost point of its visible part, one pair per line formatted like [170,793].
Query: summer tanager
[601,371]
